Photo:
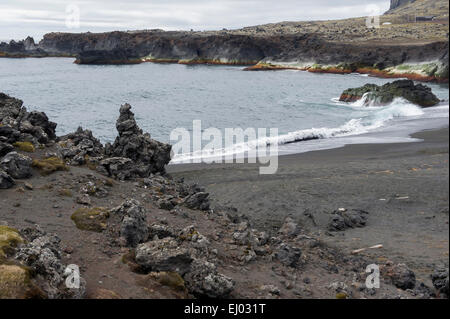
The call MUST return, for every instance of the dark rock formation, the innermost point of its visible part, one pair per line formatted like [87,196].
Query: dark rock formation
[24,48]
[17,124]
[164,255]
[198,200]
[203,280]
[81,147]
[6,181]
[342,219]
[115,56]
[375,95]
[288,255]
[440,281]
[399,274]
[147,155]
[42,253]
[16,165]
[133,222]
[5,148]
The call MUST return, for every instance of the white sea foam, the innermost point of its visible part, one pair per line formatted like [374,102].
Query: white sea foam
[377,118]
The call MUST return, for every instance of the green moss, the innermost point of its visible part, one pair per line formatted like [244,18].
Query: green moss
[25,146]
[65,192]
[91,219]
[169,279]
[92,165]
[9,239]
[16,283]
[189,235]
[50,165]
[341,295]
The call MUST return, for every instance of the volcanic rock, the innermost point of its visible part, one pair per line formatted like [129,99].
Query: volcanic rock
[375,95]
[147,155]
[17,165]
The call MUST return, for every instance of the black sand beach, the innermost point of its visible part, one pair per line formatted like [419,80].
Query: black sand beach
[404,187]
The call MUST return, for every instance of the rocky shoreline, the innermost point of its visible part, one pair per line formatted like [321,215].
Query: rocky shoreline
[136,232]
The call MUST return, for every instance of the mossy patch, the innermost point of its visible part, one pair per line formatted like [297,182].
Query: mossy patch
[9,239]
[25,146]
[169,279]
[16,283]
[91,219]
[341,295]
[101,293]
[50,165]
[65,192]
[91,164]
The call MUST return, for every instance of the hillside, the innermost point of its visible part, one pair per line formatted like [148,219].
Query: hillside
[438,8]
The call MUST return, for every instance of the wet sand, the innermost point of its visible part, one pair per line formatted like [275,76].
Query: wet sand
[404,187]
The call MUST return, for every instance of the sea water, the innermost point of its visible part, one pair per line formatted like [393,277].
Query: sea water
[301,105]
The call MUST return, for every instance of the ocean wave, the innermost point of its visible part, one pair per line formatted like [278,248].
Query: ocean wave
[376,119]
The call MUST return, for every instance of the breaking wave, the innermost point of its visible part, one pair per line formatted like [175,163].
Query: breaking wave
[376,119]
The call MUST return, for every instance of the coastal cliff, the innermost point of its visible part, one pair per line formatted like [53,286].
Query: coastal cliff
[418,51]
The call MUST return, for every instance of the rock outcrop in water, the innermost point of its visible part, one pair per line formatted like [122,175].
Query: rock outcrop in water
[375,95]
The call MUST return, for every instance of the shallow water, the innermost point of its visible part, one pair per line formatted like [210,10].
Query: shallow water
[167,96]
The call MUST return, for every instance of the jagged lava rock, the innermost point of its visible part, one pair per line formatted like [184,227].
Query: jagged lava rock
[42,253]
[5,148]
[17,124]
[375,95]
[133,227]
[341,220]
[400,275]
[440,280]
[148,155]
[17,165]
[81,146]
[164,255]
[6,181]
[203,280]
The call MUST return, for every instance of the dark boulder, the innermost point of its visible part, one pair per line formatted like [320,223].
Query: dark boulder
[198,200]
[17,165]
[6,181]
[17,124]
[133,222]
[164,255]
[81,147]
[204,281]
[343,219]
[288,255]
[5,148]
[400,275]
[440,280]
[375,95]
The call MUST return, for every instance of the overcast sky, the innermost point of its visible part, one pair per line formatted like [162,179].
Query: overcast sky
[20,18]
